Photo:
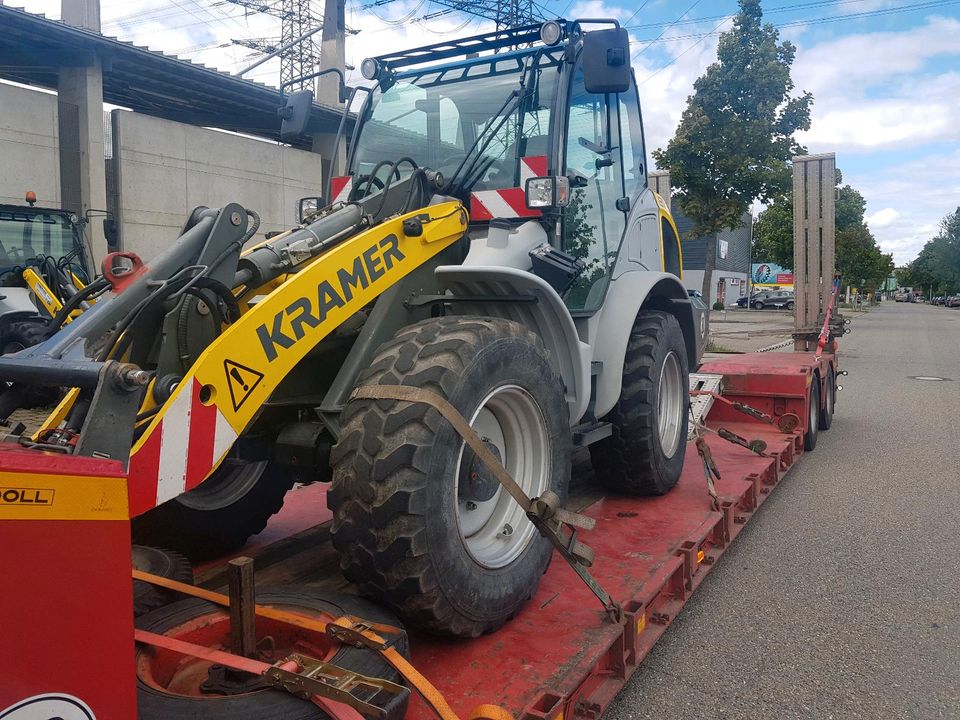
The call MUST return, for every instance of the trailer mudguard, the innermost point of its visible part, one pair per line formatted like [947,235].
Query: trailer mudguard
[610,327]
[232,379]
[548,317]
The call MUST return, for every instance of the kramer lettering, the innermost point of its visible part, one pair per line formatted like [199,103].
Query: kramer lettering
[305,313]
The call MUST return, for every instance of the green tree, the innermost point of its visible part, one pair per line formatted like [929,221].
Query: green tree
[937,266]
[735,139]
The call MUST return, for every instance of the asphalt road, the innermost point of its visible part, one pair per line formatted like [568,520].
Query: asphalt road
[841,598]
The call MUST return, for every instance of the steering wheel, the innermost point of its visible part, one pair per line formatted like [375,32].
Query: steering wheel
[371,180]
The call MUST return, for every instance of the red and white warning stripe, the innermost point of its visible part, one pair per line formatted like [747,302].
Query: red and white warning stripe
[179,452]
[509,202]
[341,187]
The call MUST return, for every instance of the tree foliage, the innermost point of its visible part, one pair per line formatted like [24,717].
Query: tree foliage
[735,139]
[937,267]
[858,257]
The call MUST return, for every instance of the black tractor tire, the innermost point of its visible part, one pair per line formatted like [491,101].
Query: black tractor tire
[813,416]
[220,515]
[165,563]
[398,474]
[154,703]
[19,336]
[829,401]
[633,459]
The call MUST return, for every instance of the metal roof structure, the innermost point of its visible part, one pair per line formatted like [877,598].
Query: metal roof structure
[34,47]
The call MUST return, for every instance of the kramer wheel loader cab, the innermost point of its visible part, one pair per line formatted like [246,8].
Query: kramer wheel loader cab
[552,314]
[567,248]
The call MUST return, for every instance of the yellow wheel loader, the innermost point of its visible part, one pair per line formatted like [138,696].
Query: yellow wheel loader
[493,241]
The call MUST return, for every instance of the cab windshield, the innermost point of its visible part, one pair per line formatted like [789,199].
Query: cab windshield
[26,234]
[463,120]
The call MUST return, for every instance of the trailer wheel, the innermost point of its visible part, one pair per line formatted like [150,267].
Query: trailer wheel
[829,401]
[418,520]
[165,563]
[219,515]
[813,416]
[644,455]
[169,686]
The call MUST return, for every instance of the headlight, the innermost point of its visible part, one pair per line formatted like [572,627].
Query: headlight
[548,192]
[551,33]
[370,68]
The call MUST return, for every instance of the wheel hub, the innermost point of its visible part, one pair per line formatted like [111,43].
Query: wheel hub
[477,483]
[493,527]
[227,681]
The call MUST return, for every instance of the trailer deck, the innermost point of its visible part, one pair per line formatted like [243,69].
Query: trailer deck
[561,657]
[561,654]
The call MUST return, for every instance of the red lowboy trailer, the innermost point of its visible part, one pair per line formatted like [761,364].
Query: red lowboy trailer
[66,573]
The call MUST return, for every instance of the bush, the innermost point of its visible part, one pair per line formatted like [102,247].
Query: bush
[718,305]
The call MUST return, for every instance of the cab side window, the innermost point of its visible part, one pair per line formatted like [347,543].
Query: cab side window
[631,131]
[671,249]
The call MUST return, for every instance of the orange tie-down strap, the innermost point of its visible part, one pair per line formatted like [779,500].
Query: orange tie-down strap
[365,636]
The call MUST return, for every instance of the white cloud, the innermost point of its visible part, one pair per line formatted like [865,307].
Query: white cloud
[882,218]
[921,192]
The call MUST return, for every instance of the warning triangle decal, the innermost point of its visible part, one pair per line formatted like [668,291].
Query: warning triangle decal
[241,380]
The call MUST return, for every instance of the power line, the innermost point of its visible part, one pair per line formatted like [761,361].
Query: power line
[813,21]
[642,50]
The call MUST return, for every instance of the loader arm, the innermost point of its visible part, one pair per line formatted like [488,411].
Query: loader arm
[226,387]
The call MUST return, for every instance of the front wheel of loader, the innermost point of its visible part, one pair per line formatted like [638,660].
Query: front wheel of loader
[419,522]
[644,455]
[218,516]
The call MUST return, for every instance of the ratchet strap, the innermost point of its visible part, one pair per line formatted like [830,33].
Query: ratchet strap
[347,629]
[544,512]
[285,674]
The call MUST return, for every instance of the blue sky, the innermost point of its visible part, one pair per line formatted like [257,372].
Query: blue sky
[885,75]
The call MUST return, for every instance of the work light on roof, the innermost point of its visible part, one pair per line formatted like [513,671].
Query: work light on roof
[370,68]
[551,33]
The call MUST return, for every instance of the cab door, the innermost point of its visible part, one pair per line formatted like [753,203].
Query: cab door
[592,224]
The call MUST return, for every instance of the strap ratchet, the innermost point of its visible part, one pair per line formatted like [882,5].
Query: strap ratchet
[346,626]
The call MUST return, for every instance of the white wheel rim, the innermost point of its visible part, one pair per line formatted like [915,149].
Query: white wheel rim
[496,531]
[670,410]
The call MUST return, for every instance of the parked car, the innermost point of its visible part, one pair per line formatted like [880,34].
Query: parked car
[952,301]
[901,297]
[938,300]
[769,299]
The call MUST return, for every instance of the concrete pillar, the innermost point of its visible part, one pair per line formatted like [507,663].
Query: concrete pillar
[659,182]
[332,55]
[80,94]
[814,242]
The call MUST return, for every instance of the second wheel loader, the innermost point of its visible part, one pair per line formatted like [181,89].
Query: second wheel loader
[494,242]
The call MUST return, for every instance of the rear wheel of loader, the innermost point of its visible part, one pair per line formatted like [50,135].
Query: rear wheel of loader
[19,336]
[644,455]
[171,686]
[218,516]
[419,521]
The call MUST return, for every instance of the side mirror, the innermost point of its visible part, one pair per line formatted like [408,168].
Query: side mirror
[606,61]
[110,232]
[307,206]
[295,114]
